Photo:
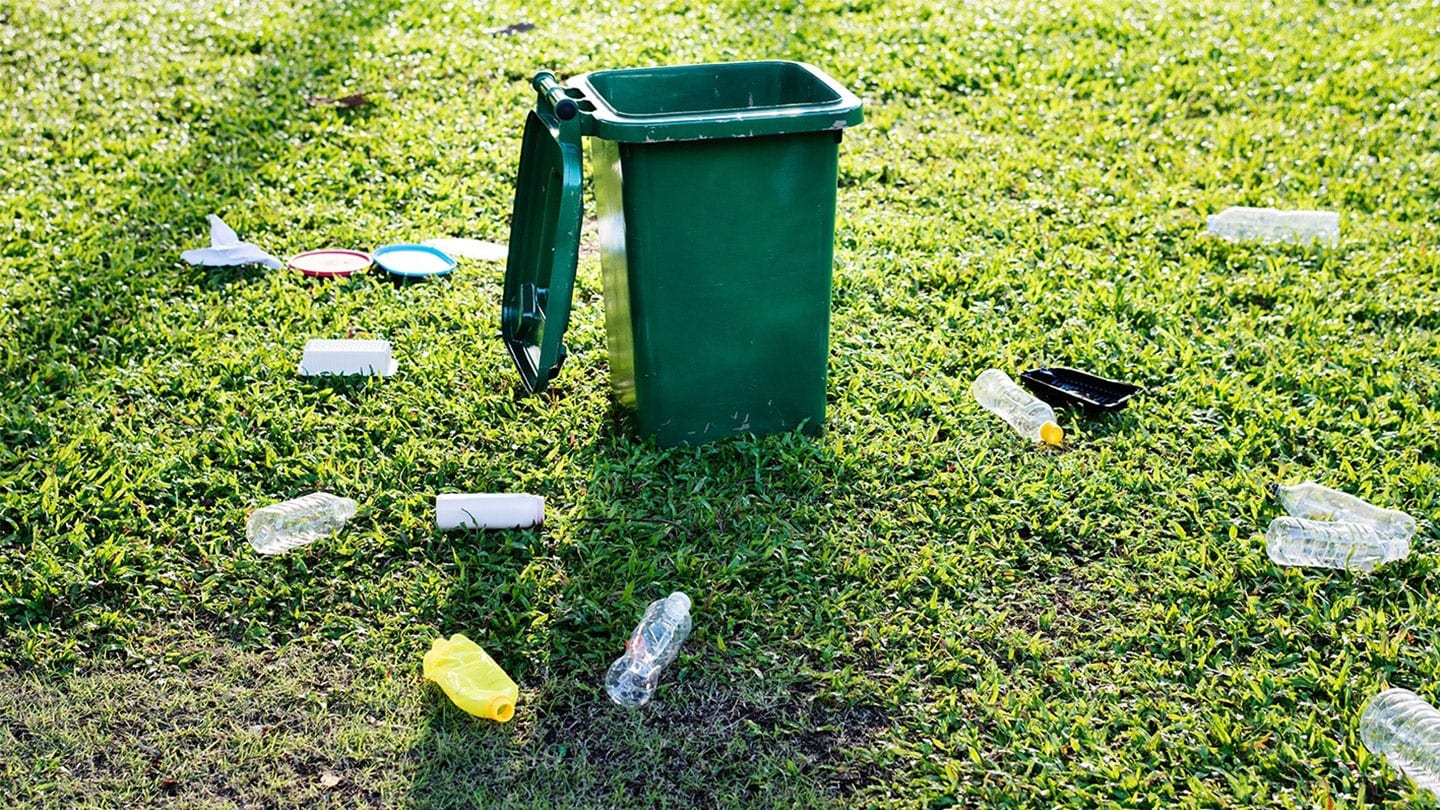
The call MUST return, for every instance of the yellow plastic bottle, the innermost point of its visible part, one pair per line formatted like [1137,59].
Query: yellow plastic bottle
[471,678]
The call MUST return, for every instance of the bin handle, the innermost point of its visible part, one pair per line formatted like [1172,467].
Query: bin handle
[552,91]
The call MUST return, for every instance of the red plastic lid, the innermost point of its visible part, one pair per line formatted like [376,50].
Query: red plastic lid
[330,263]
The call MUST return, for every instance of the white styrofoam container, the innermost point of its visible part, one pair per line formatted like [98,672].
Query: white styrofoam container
[347,357]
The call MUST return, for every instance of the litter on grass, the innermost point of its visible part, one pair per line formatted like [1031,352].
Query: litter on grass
[469,248]
[331,263]
[226,250]
[1239,223]
[471,678]
[1328,528]
[489,511]
[367,357]
[1030,417]
[414,261]
[297,522]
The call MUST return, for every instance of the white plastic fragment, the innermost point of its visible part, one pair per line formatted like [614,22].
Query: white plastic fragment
[487,510]
[1239,223]
[368,357]
[469,248]
[226,250]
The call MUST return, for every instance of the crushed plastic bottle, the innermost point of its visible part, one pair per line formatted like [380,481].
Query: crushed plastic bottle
[280,527]
[631,680]
[1030,417]
[1315,502]
[1400,726]
[1330,544]
[471,678]
[1239,223]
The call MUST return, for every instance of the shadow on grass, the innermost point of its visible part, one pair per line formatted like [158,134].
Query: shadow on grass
[736,722]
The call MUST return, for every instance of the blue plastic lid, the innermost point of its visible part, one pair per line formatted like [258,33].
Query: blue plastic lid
[414,261]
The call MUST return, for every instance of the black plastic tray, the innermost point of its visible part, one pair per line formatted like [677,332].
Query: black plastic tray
[1069,387]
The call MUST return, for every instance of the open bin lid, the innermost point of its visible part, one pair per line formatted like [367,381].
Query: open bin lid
[544,238]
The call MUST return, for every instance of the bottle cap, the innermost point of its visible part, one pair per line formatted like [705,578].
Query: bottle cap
[681,598]
[1051,434]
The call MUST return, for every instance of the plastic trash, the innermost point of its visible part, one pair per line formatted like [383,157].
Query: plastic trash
[1030,417]
[331,263]
[1059,385]
[340,357]
[471,678]
[1331,544]
[1315,502]
[226,250]
[489,511]
[414,261]
[1400,726]
[469,248]
[299,521]
[631,680]
[1239,223]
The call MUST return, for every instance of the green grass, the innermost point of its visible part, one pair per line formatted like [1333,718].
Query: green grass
[915,609]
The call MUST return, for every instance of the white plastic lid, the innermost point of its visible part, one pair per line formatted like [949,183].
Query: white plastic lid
[681,598]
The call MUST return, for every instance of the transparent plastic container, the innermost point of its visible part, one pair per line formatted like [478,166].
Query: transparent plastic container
[1330,544]
[1240,223]
[631,680]
[283,526]
[1400,726]
[1030,417]
[1315,502]
[471,678]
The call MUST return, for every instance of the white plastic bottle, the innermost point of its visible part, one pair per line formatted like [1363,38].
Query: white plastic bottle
[1400,726]
[1030,417]
[280,527]
[489,510]
[1330,544]
[1315,502]
[631,680]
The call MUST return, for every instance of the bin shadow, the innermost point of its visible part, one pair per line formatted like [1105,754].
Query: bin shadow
[725,522]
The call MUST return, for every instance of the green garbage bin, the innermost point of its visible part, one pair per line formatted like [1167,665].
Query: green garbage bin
[715,186]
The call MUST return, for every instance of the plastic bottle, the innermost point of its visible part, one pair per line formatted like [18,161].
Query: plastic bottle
[1330,544]
[498,510]
[1315,502]
[631,680]
[280,527]
[471,678]
[1030,417]
[1271,225]
[1400,726]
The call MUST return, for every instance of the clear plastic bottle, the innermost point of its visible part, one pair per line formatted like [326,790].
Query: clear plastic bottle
[631,680]
[1239,223]
[1330,544]
[1315,502]
[280,527]
[1030,417]
[1400,726]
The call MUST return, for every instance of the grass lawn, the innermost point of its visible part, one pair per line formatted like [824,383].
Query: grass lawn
[916,609]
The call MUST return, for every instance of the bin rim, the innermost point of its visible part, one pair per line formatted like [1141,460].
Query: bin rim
[605,120]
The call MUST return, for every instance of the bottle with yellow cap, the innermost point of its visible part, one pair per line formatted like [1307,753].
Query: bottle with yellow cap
[1030,417]
[471,678]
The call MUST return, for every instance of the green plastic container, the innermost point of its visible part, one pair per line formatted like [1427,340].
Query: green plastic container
[716,193]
